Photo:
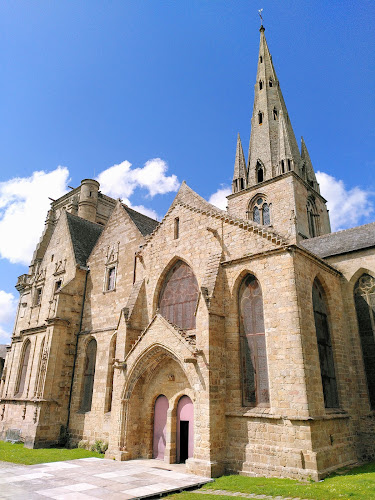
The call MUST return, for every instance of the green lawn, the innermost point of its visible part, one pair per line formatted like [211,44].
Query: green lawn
[17,454]
[358,483]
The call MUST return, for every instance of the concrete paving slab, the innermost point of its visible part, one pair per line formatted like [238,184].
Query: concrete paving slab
[91,478]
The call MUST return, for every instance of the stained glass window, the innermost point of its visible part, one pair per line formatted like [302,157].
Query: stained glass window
[266,215]
[88,375]
[364,295]
[256,215]
[179,296]
[255,387]
[327,367]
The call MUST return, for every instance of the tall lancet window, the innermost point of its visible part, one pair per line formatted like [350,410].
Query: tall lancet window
[312,218]
[327,366]
[255,387]
[88,376]
[364,296]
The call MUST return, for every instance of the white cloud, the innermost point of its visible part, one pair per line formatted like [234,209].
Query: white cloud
[219,199]
[347,207]
[8,305]
[23,208]
[120,181]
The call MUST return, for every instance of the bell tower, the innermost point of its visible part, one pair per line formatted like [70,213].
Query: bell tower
[277,187]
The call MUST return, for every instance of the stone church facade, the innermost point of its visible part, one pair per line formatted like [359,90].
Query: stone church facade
[237,341]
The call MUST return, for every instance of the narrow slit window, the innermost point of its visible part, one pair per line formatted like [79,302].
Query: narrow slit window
[274,113]
[260,175]
[111,278]
[270,83]
[289,165]
[176,228]
[242,183]
[58,285]
[260,59]
[282,167]
[38,296]
[260,85]
[260,118]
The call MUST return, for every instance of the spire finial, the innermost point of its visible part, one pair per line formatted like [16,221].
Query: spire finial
[262,28]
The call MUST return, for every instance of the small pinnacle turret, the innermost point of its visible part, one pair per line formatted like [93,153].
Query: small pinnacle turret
[307,170]
[240,175]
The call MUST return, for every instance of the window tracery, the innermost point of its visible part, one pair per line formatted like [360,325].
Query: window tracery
[364,297]
[260,210]
[179,296]
[312,218]
[327,366]
[88,375]
[255,385]
[23,368]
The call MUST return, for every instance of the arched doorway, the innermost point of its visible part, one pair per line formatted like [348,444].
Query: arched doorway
[185,429]
[160,427]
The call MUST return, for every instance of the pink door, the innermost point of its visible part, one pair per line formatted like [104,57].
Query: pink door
[160,425]
[185,429]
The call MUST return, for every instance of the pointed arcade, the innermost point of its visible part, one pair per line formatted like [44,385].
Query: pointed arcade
[239,176]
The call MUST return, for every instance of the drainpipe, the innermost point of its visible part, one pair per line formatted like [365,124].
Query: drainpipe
[76,348]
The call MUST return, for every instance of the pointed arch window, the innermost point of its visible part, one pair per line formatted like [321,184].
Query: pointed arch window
[312,218]
[327,366]
[270,83]
[179,296]
[41,371]
[23,368]
[364,296]
[110,374]
[260,210]
[289,165]
[88,375]
[255,386]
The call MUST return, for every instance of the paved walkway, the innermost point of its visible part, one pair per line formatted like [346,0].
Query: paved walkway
[90,478]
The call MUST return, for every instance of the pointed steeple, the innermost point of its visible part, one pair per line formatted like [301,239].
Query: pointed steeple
[272,138]
[239,176]
[307,170]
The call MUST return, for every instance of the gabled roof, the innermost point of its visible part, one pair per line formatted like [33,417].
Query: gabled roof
[349,240]
[84,235]
[189,199]
[145,224]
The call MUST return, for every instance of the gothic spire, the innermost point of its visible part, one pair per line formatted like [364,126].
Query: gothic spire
[272,138]
[307,169]
[239,176]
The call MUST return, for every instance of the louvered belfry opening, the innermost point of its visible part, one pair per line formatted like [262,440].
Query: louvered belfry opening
[364,296]
[327,366]
[179,296]
[255,385]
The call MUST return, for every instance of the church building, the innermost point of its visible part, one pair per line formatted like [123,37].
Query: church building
[236,341]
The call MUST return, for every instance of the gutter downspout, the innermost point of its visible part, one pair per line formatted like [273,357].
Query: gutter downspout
[84,268]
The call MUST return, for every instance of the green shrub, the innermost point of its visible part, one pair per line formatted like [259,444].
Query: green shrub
[99,446]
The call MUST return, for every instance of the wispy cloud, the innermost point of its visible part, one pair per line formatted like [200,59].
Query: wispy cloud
[24,201]
[120,181]
[347,207]
[23,208]
[219,198]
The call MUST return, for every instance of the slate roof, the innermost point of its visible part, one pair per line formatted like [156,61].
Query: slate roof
[84,235]
[145,224]
[349,240]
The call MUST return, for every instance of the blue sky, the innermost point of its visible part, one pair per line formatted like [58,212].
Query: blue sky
[87,85]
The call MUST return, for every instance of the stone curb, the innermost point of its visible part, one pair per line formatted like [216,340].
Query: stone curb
[244,495]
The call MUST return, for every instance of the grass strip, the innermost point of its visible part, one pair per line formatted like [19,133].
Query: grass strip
[17,454]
